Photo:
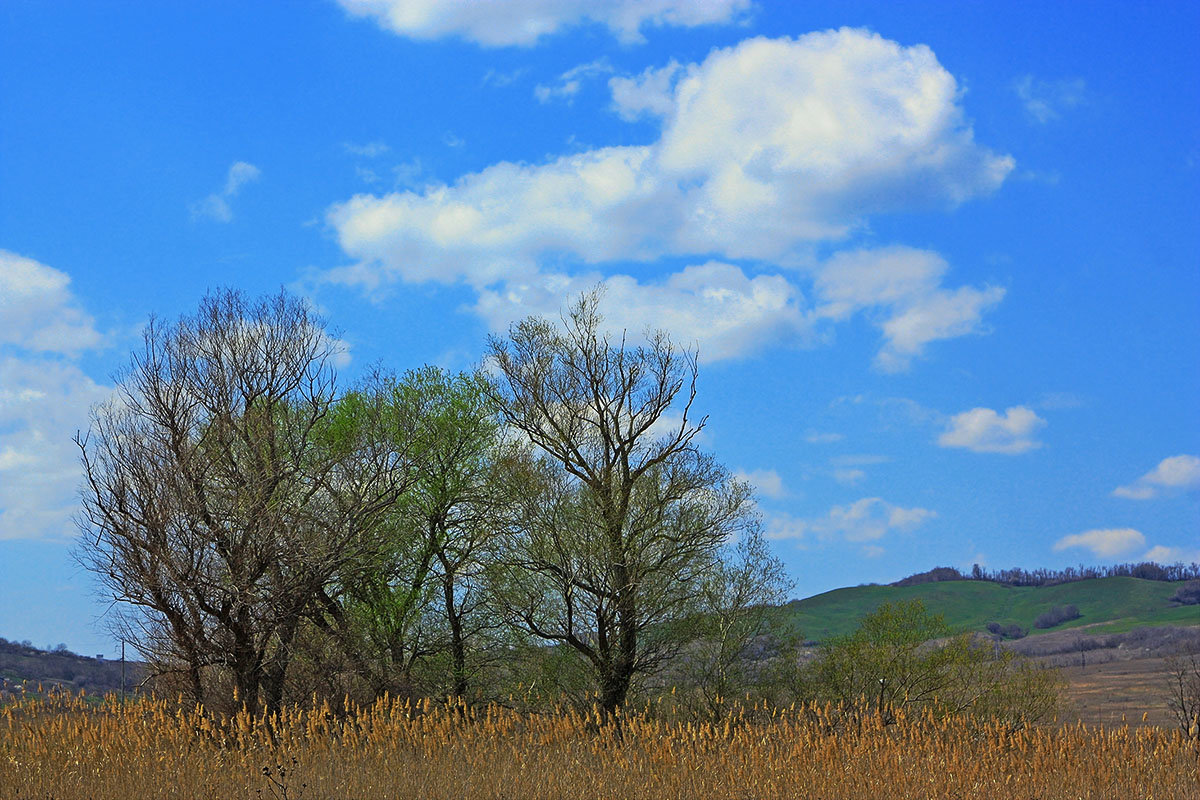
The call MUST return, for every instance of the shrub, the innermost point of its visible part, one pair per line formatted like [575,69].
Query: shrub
[1010,631]
[1187,595]
[1056,616]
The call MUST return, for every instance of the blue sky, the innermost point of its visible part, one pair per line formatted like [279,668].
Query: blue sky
[940,260]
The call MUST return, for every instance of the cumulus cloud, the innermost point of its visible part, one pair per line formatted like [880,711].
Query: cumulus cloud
[982,430]
[766,481]
[904,284]
[715,307]
[769,145]
[42,403]
[217,205]
[1044,101]
[766,149]
[866,520]
[650,94]
[38,310]
[1176,473]
[44,396]
[496,24]
[1104,542]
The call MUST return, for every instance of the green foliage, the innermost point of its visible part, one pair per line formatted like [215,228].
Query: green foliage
[902,656]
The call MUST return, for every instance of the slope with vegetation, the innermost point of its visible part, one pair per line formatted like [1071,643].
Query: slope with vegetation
[1105,605]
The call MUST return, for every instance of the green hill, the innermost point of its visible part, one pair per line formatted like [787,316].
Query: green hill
[1111,605]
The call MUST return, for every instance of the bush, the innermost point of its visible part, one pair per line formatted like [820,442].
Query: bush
[891,662]
[1010,631]
[1056,616]
[1187,595]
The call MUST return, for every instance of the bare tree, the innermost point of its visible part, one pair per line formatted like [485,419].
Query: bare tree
[1183,692]
[217,504]
[624,516]
[733,638]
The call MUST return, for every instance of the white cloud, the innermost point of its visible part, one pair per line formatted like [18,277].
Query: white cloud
[767,148]
[1104,542]
[849,476]
[1161,554]
[906,283]
[38,311]
[1045,101]
[1176,473]
[216,205]
[715,307]
[766,481]
[44,397]
[866,520]
[43,402]
[650,94]
[818,437]
[494,77]
[498,24]
[368,150]
[779,525]
[982,430]
[571,81]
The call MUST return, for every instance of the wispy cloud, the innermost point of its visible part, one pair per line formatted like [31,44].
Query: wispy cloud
[367,150]
[217,205]
[1045,101]
[570,82]
[494,24]
[866,520]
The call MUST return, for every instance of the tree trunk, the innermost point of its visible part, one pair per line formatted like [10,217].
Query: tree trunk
[458,649]
[276,672]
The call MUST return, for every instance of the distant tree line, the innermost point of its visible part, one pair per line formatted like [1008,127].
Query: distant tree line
[1146,570]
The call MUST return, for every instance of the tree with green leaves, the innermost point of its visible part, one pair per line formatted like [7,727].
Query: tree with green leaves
[902,656]
[416,612]
[623,518]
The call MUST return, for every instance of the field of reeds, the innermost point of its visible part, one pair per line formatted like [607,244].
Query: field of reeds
[68,747]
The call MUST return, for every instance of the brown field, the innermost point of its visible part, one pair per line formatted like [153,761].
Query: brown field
[1118,691]
[1117,678]
[149,749]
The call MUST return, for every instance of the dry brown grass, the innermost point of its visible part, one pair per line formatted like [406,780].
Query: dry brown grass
[63,748]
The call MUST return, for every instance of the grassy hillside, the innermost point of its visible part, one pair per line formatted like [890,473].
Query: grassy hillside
[1111,605]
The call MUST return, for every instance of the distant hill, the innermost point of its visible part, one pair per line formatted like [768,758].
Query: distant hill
[60,668]
[1105,605]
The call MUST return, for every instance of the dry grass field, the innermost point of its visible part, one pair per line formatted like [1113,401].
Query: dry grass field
[1115,692]
[63,748]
